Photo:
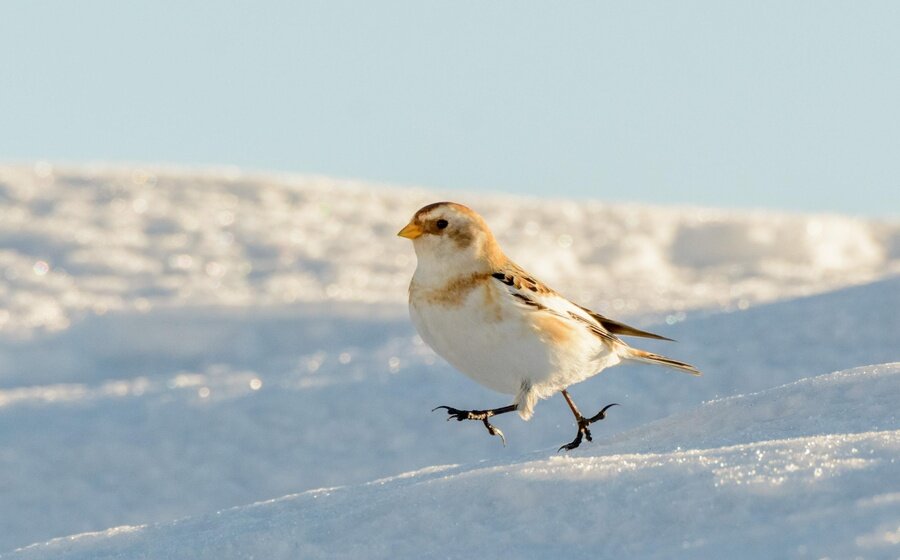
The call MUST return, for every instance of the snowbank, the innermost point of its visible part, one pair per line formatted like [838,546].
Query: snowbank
[154,417]
[77,241]
[804,470]
[174,343]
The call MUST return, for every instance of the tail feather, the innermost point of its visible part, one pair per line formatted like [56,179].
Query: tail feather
[656,359]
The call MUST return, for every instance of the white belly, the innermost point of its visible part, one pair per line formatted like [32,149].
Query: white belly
[503,350]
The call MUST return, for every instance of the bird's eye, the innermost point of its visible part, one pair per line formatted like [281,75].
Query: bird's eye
[442,224]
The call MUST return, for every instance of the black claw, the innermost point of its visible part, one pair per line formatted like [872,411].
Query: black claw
[450,409]
[584,431]
[602,414]
[494,431]
[459,415]
[482,415]
[572,444]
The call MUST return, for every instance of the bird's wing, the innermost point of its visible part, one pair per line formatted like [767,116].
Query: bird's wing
[533,295]
[616,327]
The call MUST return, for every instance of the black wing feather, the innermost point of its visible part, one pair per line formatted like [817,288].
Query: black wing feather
[616,327]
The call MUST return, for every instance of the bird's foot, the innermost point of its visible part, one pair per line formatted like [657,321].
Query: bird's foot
[464,414]
[482,415]
[584,430]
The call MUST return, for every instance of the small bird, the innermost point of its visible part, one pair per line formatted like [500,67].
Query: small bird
[503,328]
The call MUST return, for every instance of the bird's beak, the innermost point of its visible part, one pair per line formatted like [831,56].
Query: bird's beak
[411,231]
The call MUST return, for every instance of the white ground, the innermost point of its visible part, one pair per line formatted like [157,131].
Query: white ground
[177,343]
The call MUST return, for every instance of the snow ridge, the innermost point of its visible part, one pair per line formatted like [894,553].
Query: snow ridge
[77,241]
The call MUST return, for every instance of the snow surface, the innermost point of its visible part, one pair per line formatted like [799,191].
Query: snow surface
[174,343]
[81,241]
[808,469]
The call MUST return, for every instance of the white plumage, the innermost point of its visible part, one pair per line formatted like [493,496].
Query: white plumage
[510,346]
[498,325]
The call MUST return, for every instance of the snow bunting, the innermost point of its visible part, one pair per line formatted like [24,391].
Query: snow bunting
[499,325]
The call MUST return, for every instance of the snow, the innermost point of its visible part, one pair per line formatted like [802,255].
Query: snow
[733,478]
[175,343]
[81,241]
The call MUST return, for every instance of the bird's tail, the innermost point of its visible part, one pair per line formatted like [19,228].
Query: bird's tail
[656,359]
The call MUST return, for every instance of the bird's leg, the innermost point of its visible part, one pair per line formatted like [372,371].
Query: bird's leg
[482,415]
[583,423]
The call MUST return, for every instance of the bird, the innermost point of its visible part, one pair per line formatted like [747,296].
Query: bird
[502,327]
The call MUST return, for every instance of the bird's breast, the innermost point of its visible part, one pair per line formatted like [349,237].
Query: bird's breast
[481,338]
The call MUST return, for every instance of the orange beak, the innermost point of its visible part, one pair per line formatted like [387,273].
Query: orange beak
[411,231]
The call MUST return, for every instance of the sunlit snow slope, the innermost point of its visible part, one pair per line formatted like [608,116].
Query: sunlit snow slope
[82,241]
[808,469]
[175,343]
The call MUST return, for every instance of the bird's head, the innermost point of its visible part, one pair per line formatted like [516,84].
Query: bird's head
[450,236]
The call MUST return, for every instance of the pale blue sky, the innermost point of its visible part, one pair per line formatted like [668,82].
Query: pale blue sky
[777,104]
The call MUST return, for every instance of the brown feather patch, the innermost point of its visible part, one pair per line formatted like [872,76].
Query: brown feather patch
[454,292]
[461,231]
[554,327]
